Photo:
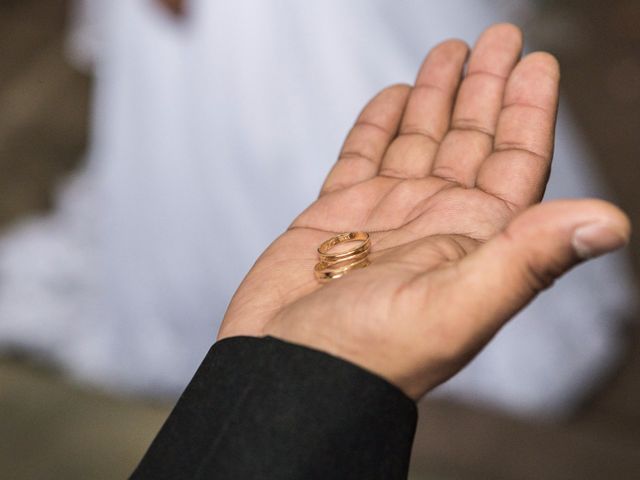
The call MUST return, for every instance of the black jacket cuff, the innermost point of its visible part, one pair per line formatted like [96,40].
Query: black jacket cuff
[264,408]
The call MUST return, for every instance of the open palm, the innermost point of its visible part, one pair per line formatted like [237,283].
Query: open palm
[435,173]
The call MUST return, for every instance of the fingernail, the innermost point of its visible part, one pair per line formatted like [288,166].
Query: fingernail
[597,239]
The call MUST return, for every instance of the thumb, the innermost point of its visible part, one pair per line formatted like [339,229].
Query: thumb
[538,246]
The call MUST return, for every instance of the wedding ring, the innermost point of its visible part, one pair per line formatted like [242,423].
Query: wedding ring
[324,273]
[363,248]
[355,257]
[334,265]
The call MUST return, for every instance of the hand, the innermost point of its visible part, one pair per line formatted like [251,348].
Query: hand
[443,175]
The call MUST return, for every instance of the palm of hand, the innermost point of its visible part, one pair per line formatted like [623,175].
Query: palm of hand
[431,173]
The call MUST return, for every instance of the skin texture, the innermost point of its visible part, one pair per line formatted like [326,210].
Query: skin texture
[445,175]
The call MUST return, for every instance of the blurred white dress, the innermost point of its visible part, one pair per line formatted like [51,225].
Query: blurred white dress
[209,136]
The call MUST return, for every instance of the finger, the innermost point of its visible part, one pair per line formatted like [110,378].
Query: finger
[493,283]
[470,138]
[428,112]
[518,169]
[368,140]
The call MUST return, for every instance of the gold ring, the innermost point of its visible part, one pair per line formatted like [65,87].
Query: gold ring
[325,274]
[322,267]
[323,249]
[335,265]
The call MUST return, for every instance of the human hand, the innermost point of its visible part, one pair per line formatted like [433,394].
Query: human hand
[443,175]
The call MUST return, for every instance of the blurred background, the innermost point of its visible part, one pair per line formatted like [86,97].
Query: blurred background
[56,426]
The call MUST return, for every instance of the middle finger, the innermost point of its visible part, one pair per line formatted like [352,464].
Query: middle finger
[427,114]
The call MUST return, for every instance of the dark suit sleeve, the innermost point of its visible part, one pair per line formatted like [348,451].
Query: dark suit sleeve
[262,408]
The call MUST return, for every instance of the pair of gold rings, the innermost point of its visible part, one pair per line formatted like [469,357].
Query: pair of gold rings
[336,265]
